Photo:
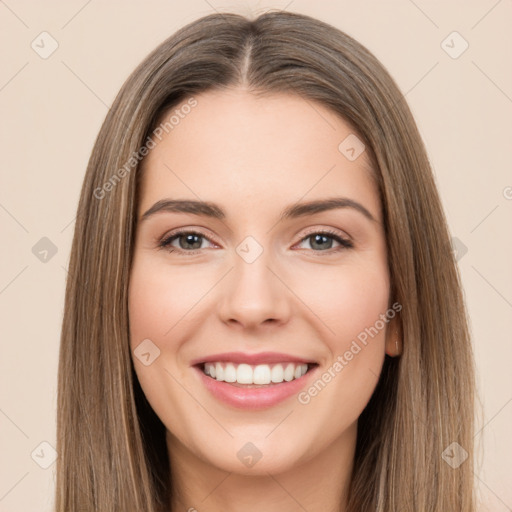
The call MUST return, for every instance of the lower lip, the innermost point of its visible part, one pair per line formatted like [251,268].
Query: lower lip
[254,398]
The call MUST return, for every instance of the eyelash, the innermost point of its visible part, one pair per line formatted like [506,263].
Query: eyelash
[165,242]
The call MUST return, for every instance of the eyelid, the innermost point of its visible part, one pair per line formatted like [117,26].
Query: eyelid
[327,230]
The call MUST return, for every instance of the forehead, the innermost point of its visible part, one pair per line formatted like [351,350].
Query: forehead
[243,150]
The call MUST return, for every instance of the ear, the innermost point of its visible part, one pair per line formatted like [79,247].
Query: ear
[394,338]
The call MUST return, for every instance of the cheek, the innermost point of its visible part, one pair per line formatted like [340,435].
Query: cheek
[357,302]
[161,302]
[153,305]
[156,305]
[346,299]
[351,305]
[158,299]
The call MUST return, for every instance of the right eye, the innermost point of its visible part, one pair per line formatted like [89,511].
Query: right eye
[189,242]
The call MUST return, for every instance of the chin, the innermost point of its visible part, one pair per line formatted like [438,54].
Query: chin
[254,458]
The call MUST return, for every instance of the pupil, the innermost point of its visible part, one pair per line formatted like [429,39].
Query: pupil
[189,240]
[318,239]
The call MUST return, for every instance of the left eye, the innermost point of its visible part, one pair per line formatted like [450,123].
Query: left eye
[190,241]
[324,240]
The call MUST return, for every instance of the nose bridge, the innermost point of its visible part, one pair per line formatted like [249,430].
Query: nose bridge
[252,293]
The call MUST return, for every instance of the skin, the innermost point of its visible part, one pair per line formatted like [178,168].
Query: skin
[253,157]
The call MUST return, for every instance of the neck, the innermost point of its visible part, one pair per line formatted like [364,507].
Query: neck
[318,483]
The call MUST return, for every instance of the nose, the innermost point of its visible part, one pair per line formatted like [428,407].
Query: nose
[254,294]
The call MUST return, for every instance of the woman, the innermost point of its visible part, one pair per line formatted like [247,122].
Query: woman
[263,309]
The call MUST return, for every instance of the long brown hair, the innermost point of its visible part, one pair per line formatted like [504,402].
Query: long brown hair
[111,445]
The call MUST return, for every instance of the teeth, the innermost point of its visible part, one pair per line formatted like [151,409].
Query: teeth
[244,374]
[229,373]
[277,373]
[259,374]
[219,372]
[289,372]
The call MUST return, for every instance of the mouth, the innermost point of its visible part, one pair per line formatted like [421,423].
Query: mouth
[254,386]
[249,376]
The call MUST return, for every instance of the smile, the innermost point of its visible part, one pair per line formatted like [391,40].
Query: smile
[261,374]
[254,386]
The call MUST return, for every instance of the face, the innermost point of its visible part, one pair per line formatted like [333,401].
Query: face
[258,284]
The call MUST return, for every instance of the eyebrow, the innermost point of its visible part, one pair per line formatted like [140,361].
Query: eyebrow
[213,210]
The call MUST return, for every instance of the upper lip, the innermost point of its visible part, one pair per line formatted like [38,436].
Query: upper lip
[252,359]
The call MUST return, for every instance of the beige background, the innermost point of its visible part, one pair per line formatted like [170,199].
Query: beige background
[51,111]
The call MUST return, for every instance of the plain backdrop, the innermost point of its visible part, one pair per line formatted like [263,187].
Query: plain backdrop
[459,87]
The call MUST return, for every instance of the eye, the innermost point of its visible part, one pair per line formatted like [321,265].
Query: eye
[321,241]
[189,242]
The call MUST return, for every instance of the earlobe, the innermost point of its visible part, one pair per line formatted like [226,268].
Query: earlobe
[394,339]
[394,347]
